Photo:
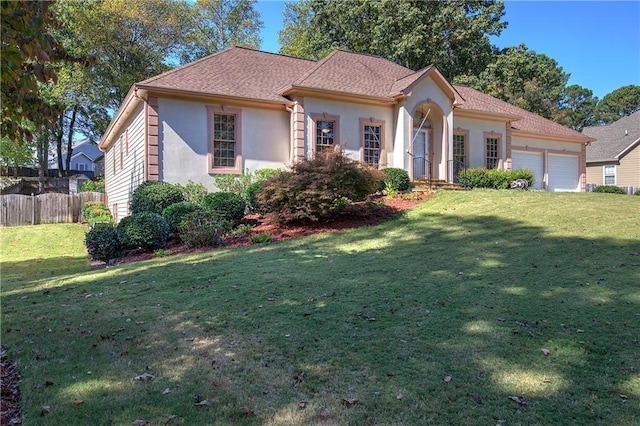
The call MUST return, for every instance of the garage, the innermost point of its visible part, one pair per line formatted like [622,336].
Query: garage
[563,173]
[531,161]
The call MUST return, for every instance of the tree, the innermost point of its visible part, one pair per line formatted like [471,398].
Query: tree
[578,107]
[27,50]
[219,24]
[619,103]
[523,78]
[453,35]
[14,154]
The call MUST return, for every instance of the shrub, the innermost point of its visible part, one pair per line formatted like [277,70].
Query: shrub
[148,231]
[202,229]
[103,243]
[193,192]
[91,210]
[92,186]
[609,189]
[261,238]
[396,180]
[154,197]
[101,218]
[176,212]
[492,178]
[242,230]
[250,196]
[637,192]
[317,188]
[225,206]
[232,183]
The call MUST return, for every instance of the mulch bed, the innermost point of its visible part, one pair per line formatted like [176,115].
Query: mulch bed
[354,216]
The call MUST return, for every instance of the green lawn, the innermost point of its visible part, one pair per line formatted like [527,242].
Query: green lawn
[438,316]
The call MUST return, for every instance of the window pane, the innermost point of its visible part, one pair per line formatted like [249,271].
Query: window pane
[224,138]
[372,145]
[324,135]
[492,153]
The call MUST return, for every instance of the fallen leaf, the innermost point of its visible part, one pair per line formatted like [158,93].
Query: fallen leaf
[44,410]
[168,419]
[48,383]
[478,399]
[324,415]
[145,376]
[77,401]
[519,399]
[580,331]
[190,339]
[248,412]
[399,397]
[546,380]
[298,378]
[166,391]
[141,423]
[302,404]
[203,403]
[447,379]
[349,401]
[545,352]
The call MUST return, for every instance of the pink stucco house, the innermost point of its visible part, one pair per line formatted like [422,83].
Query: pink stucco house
[245,109]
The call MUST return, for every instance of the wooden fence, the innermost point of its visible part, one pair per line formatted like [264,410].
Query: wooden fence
[46,208]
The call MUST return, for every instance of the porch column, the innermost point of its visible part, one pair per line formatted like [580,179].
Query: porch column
[508,163]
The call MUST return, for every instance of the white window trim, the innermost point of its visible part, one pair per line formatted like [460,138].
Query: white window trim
[604,174]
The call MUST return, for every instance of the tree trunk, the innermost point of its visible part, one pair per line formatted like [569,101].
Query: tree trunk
[72,123]
[43,159]
[59,136]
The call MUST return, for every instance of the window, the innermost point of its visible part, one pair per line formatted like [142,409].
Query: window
[82,167]
[460,152]
[325,130]
[492,150]
[224,140]
[610,174]
[372,147]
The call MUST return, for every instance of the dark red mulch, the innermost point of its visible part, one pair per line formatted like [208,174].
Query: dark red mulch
[353,217]
[10,392]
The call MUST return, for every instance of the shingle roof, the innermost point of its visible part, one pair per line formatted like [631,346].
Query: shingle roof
[529,122]
[612,139]
[353,73]
[237,72]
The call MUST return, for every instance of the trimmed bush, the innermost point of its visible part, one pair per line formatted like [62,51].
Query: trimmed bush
[492,178]
[317,188]
[92,186]
[176,212]
[396,180]
[96,211]
[609,189]
[226,206]
[103,243]
[148,231]
[637,192]
[193,192]
[154,196]
[202,229]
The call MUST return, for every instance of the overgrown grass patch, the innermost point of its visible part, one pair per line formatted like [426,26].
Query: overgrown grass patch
[468,287]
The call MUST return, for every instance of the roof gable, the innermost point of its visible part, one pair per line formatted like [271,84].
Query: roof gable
[614,140]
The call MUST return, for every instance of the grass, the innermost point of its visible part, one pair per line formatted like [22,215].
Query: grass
[467,287]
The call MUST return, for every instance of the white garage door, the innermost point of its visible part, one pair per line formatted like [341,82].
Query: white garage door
[563,173]
[531,161]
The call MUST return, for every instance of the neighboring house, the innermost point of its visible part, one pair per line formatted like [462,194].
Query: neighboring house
[244,109]
[614,157]
[85,157]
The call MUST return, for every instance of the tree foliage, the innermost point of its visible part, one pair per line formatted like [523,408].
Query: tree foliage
[578,107]
[453,35]
[27,51]
[219,24]
[524,78]
[619,103]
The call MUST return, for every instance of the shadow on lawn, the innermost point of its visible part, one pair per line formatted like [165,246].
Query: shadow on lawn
[383,315]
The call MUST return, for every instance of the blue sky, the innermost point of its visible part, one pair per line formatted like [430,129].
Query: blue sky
[597,42]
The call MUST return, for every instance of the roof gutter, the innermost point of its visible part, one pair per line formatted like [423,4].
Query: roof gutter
[129,105]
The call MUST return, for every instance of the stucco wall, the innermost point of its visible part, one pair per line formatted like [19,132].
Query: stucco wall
[121,178]
[477,130]
[350,132]
[184,142]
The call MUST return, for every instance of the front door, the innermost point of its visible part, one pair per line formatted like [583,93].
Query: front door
[421,160]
